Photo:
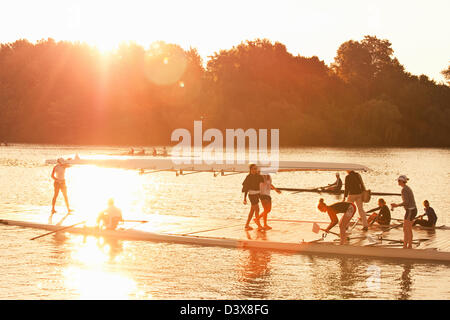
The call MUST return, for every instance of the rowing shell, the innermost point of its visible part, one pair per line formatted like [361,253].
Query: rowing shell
[301,247]
[205,165]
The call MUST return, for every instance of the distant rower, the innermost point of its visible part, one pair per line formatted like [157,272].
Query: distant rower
[110,217]
[336,186]
[58,175]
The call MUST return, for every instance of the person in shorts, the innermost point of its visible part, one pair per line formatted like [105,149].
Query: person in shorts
[59,184]
[266,199]
[251,187]
[409,203]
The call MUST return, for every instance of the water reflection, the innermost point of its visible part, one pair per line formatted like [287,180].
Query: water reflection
[406,282]
[94,267]
[254,273]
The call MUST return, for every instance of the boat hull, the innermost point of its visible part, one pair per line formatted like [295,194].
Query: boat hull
[301,247]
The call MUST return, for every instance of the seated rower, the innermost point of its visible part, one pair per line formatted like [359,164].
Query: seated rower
[336,186]
[383,217]
[110,217]
[431,215]
[347,208]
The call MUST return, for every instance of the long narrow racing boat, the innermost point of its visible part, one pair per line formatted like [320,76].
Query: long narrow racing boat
[311,247]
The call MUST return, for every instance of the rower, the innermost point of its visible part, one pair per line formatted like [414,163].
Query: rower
[165,154]
[154,153]
[141,153]
[110,217]
[431,215]
[58,175]
[383,217]
[131,152]
[336,186]
[347,208]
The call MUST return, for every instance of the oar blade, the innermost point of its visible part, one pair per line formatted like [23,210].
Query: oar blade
[316,228]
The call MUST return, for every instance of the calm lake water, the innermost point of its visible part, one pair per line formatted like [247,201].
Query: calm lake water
[75,267]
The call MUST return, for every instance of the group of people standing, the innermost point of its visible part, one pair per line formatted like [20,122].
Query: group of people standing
[257,187]
[354,188]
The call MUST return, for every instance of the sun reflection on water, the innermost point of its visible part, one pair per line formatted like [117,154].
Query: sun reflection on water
[92,273]
[99,284]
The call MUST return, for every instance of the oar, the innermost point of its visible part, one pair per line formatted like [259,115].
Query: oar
[55,231]
[185,234]
[354,225]
[297,190]
[139,222]
[316,229]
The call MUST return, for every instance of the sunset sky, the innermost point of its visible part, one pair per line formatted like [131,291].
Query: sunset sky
[418,30]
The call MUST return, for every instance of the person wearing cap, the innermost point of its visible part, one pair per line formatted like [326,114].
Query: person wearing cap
[58,175]
[354,188]
[409,203]
[336,186]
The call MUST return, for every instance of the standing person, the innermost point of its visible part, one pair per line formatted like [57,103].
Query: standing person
[251,186]
[266,199]
[58,175]
[431,215]
[336,186]
[354,188]
[383,217]
[110,217]
[347,208]
[409,203]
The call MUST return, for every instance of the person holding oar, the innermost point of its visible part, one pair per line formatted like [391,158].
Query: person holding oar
[347,208]
[409,203]
[431,215]
[110,217]
[383,217]
[335,186]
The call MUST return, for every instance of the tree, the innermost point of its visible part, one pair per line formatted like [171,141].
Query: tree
[446,74]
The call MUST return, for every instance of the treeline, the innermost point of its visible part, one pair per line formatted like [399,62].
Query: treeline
[70,93]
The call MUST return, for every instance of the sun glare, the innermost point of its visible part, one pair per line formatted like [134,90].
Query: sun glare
[91,187]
